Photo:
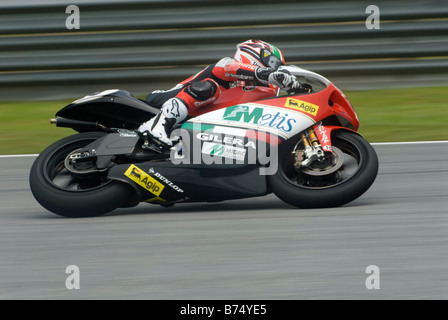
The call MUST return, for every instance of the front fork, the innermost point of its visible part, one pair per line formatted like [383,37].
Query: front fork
[315,141]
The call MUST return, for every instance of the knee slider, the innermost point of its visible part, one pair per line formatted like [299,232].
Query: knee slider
[203,90]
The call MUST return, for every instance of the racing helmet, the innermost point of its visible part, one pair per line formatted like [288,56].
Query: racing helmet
[259,53]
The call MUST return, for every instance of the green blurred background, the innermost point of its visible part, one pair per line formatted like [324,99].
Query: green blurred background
[396,77]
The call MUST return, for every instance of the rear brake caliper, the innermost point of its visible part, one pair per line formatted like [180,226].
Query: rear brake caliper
[81,162]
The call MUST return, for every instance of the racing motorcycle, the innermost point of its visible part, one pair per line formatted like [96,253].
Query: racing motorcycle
[302,146]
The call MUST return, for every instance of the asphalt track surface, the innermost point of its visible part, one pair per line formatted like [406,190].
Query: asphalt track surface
[252,249]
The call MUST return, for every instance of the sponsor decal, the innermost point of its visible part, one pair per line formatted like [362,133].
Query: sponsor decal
[174,108]
[200,103]
[211,137]
[144,180]
[280,121]
[127,133]
[165,180]
[225,151]
[242,113]
[225,143]
[231,65]
[264,117]
[324,138]
[301,105]
[239,76]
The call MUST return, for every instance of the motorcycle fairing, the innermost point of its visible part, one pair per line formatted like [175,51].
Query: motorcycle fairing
[244,133]
[207,144]
[275,119]
[116,109]
[260,116]
[153,181]
[236,95]
[320,106]
[324,135]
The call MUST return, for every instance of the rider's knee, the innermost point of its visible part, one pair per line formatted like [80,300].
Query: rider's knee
[202,93]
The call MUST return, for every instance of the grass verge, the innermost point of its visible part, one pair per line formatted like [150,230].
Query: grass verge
[387,115]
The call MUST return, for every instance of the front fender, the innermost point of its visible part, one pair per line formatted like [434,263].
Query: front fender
[324,134]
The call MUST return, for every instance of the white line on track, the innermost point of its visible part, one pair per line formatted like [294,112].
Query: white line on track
[410,142]
[375,143]
[18,155]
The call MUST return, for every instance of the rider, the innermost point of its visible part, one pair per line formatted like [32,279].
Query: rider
[255,62]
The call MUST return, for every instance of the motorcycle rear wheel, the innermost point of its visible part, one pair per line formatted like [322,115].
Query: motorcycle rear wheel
[305,189]
[74,195]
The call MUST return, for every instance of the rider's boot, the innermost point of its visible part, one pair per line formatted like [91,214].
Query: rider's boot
[173,112]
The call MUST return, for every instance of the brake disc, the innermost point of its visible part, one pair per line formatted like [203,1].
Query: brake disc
[332,162]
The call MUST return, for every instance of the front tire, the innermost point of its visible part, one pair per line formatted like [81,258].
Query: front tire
[74,195]
[353,178]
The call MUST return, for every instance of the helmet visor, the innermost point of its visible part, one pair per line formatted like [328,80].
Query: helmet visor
[270,60]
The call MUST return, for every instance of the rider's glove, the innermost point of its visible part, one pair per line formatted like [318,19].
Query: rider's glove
[283,80]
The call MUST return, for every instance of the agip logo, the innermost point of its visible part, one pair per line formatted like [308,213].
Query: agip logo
[226,151]
[301,105]
[144,180]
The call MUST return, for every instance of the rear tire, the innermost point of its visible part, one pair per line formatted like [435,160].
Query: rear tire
[350,181]
[71,195]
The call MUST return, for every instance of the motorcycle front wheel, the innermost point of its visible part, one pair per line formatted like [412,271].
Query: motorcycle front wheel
[344,175]
[74,194]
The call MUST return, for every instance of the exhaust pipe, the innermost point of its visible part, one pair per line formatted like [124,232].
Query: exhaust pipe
[78,124]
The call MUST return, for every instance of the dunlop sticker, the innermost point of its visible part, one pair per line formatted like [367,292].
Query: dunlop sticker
[302,106]
[144,180]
